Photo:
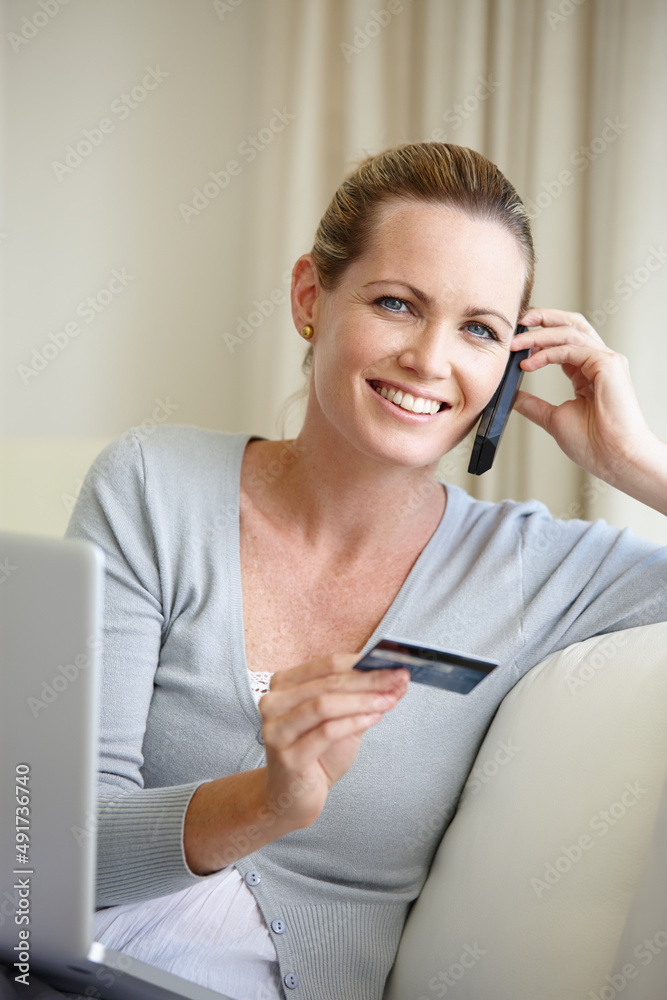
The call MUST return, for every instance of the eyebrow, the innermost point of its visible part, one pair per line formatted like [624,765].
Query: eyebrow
[483,311]
[417,292]
[429,301]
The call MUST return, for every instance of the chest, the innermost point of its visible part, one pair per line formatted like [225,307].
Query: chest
[295,609]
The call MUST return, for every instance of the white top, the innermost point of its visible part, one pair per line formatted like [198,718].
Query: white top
[219,916]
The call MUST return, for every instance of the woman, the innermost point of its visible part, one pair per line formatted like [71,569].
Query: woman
[229,833]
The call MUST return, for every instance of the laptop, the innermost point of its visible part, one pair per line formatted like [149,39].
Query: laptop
[51,602]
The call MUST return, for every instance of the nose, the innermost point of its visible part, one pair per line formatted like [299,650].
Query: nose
[429,353]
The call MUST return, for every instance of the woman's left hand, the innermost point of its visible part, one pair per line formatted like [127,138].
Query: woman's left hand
[602,429]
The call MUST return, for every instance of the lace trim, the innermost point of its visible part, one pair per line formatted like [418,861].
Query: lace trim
[259,681]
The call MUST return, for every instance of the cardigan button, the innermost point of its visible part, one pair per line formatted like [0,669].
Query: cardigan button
[278,926]
[253,878]
[260,738]
[291,980]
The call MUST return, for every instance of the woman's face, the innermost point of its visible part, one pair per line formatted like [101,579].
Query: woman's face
[429,310]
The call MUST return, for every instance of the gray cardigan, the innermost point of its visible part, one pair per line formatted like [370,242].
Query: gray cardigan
[505,581]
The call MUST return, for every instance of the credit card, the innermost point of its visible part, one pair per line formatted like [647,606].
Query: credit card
[451,671]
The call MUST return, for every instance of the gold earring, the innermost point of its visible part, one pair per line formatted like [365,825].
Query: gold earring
[307,331]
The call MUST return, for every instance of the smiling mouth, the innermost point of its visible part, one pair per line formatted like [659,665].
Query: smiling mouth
[407,400]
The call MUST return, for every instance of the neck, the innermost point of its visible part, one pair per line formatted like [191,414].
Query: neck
[338,500]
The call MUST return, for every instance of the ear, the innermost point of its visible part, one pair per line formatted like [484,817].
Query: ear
[305,291]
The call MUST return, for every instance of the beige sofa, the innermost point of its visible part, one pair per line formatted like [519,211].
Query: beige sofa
[551,881]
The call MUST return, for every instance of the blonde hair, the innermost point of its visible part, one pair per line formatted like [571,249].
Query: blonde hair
[438,172]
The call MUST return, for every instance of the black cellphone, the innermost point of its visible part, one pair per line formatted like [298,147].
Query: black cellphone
[496,413]
[441,668]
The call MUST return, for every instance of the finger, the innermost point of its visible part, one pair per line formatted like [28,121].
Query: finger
[284,730]
[316,742]
[556,317]
[337,668]
[354,682]
[319,666]
[590,361]
[552,336]
[355,693]
[535,409]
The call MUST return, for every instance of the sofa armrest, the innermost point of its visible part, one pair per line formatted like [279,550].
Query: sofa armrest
[540,886]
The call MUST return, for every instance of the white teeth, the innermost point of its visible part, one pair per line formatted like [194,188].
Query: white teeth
[414,404]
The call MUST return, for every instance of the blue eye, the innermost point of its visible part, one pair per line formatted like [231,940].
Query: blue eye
[486,331]
[391,303]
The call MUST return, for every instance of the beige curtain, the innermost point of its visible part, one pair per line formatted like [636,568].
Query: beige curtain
[166,161]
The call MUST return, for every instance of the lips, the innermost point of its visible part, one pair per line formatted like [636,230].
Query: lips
[398,392]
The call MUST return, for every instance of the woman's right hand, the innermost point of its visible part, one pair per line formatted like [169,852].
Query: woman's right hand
[314,716]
